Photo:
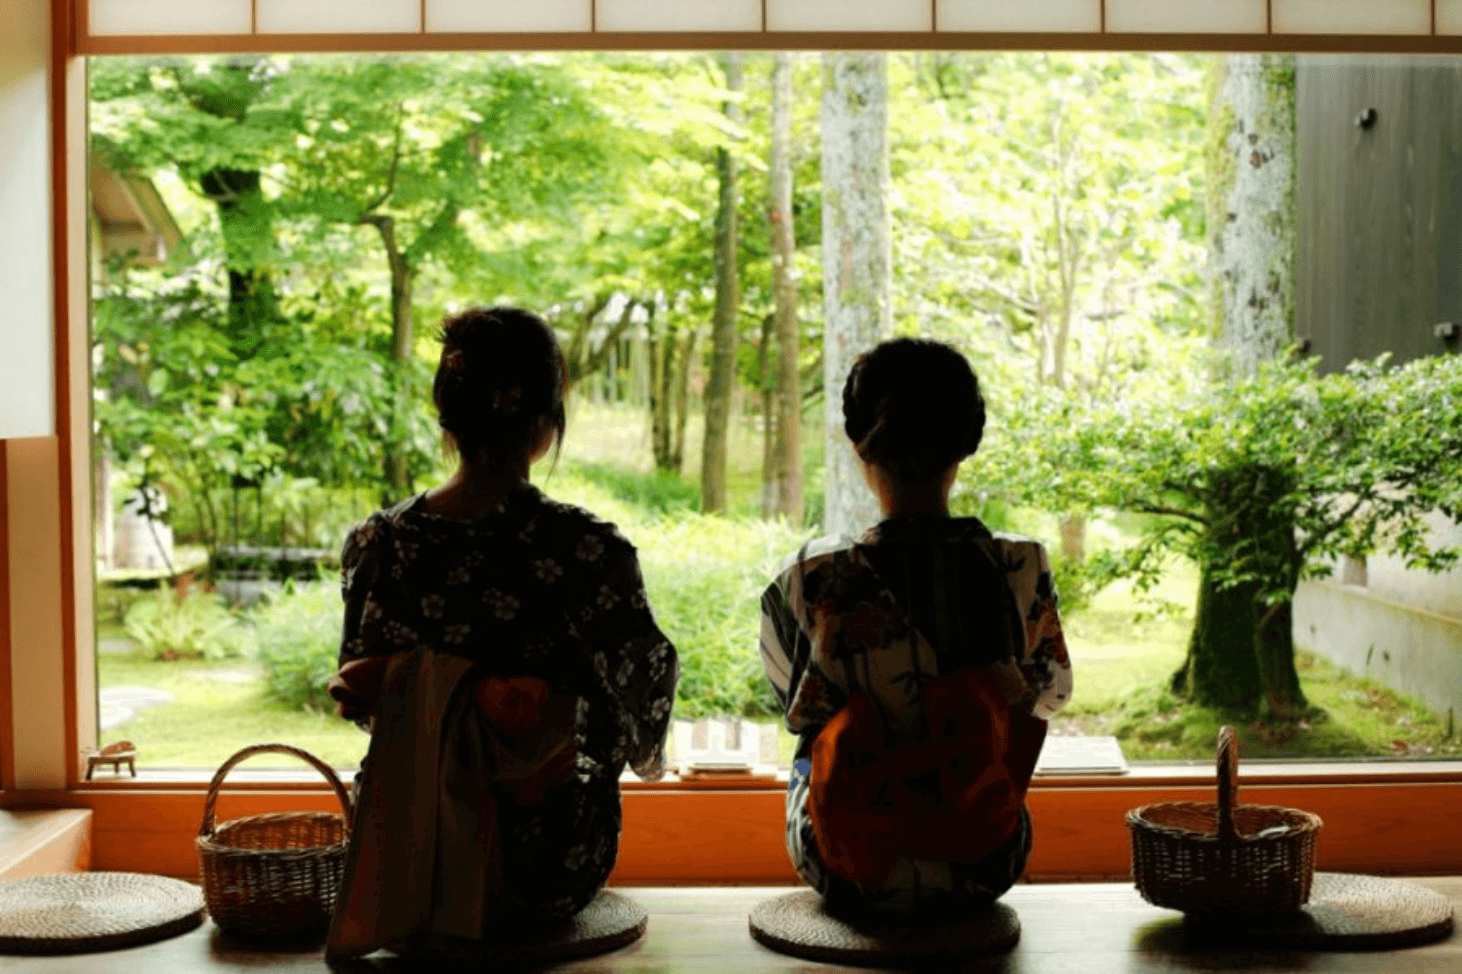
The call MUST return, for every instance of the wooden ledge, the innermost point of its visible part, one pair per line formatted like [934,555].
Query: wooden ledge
[1094,929]
[1338,771]
[44,840]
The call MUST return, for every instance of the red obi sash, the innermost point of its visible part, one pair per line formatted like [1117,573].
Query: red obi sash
[953,797]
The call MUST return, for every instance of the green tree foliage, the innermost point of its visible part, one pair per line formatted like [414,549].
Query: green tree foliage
[423,164]
[1262,482]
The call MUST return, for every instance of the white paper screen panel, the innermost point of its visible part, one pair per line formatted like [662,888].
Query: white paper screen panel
[339,16]
[1352,16]
[1449,16]
[27,393]
[850,15]
[683,15]
[1035,16]
[1187,17]
[509,16]
[144,17]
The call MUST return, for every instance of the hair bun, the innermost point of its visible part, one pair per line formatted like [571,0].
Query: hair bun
[501,374]
[914,407]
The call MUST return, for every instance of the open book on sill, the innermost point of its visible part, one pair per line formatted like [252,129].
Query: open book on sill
[1081,756]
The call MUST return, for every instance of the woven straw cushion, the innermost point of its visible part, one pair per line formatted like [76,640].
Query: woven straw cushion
[797,924]
[1345,912]
[608,923]
[83,912]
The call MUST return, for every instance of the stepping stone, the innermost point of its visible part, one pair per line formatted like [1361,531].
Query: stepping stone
[133,697]
[226,676]
[111,715]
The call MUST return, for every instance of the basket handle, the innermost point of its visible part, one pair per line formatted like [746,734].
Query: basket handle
[205,828]
[1228,782]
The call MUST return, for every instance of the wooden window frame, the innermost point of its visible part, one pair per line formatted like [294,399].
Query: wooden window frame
[1386,818]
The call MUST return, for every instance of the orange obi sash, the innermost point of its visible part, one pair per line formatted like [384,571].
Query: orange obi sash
[952,797]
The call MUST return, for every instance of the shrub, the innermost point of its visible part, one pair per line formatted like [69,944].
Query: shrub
[297,634]
[196,626]
[659,492]
[704,576]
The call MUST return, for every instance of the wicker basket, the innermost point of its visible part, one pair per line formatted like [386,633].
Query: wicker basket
[273,876]
[1202,857]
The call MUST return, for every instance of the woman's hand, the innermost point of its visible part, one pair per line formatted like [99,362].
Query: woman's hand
[513,705]
[356,687]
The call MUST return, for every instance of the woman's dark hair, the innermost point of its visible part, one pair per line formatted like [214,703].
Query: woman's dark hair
[500,375]
[913,407]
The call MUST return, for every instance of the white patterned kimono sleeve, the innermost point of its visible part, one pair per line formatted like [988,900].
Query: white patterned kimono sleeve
[1047,664]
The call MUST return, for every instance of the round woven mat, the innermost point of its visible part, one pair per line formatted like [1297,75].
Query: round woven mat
[79,913]
[1345,912]
[608,923]
[797,924]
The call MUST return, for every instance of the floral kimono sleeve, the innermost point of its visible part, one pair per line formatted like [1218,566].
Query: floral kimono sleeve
[636,664]
[1046,665]
[363,629]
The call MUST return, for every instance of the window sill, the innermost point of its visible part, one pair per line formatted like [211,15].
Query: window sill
[1339,771]
[1382,817]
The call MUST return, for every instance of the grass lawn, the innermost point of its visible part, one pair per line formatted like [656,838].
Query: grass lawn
[211,717]
[1122,667]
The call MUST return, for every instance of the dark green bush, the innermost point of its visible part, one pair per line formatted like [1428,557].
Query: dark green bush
[297,633]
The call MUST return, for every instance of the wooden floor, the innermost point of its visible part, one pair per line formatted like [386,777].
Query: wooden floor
[1067,929]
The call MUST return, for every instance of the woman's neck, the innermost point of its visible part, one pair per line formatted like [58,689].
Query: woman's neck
[918,498]
[476,489]
[904,498]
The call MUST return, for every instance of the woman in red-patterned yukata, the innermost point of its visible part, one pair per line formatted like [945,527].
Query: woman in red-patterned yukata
[917,665]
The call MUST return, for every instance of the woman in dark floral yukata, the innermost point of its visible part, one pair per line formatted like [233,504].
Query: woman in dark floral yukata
[917,665]
[544,599]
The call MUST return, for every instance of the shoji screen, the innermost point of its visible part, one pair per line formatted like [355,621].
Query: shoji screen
[1100,23]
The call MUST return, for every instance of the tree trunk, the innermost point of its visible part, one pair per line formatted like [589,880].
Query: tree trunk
[403,280]
[682,403]
[1251,171]
[856,259]
[662,365]
[767,391]
[1222,669]
[1251,219]
[1274,645]
[787,450]
[723,326]
[244,218]
[1073,537]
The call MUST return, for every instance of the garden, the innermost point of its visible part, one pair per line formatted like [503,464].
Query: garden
[267,384]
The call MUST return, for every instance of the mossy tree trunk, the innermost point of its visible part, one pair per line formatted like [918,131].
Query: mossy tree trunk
[1221,669]
[1242,650]
[855,260]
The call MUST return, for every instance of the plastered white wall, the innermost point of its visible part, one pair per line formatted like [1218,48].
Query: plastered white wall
[27,395]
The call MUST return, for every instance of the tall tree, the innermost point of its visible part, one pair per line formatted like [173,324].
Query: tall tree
[728,301]
[784,473]
[496,139]
[856,259]
[1242,648]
